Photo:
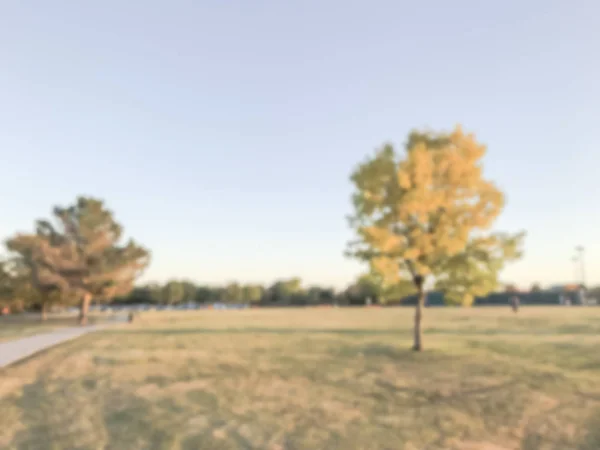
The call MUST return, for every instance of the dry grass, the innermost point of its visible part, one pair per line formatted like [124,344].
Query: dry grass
[315,379]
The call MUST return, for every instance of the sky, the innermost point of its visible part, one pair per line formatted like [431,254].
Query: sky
[223,133]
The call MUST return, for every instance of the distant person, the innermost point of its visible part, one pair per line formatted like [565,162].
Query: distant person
[514,303]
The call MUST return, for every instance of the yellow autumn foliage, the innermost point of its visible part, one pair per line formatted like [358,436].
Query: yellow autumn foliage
[432,200]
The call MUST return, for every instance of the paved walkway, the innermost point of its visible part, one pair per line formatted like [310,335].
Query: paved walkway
[13,351]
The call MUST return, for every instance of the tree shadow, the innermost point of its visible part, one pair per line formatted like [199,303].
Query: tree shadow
[586,437]
[61,414]
[277,331]
[474,331]
[398,353]
[591,439]
[573,355]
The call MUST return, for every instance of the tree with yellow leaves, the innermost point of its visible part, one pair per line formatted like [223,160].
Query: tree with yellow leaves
[425,215]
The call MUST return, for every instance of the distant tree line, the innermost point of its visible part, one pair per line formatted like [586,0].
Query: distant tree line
[282,293]
[291,292]
[366,289]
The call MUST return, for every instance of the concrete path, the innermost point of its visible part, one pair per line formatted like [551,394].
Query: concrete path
[13,351]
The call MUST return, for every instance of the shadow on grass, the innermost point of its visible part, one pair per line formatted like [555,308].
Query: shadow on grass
[426,362]
[585,437]
[565,330]
[550,331]
[61,414]
[280,331]
[591,439]
[572,355]
[396,353]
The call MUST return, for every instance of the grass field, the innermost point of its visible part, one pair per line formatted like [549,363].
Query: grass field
[315,379]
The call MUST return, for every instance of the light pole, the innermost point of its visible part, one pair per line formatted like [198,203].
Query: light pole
[580,249]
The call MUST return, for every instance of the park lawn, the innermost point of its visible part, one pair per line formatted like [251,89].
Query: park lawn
[315,379]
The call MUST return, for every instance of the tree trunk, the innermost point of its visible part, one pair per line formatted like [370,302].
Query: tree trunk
[418,334]
[84,308]
[44,311]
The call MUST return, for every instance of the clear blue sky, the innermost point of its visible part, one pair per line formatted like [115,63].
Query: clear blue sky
[222,133]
